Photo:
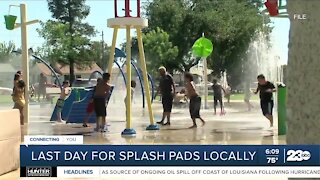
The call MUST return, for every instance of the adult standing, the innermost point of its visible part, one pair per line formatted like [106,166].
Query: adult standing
[167,90]
[42,86]
[266,90]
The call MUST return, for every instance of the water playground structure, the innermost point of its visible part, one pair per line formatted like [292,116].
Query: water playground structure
[127,22]
[75,106]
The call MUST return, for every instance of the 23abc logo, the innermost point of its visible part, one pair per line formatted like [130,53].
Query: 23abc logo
[298,155]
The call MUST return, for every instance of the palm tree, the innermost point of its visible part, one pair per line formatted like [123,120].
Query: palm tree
[5,51]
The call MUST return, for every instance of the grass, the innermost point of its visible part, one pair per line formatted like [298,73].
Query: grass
[5,99]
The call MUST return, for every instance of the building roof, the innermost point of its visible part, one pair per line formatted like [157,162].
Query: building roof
[7,68]
[44,69]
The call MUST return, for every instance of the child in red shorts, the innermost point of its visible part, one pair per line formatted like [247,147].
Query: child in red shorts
[90,110]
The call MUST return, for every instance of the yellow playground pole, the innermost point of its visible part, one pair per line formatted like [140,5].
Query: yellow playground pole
[145,78]
[113,47]
[25,56]
[130,22]
[128,61]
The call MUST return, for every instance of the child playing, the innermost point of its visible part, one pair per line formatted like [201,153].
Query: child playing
[60,102]
[17,78]
[90,107]
[195,100]
[180,97]
[18,96]
[247,96]
[227,93]
[100,95]
[217,93]
[133,86]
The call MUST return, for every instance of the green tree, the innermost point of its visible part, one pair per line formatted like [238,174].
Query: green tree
[173,17]
[6,51]
[159,51]
[67,37]
[100,53]
[230,24]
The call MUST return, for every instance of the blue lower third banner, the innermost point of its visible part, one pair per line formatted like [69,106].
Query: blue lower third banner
[46,159]
[149,161]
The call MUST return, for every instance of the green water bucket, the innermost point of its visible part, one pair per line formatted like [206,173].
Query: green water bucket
[10,21]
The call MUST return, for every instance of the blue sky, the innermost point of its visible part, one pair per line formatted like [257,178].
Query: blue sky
[101,10]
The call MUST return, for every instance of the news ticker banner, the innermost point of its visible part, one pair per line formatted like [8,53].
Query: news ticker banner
[111,160]
[172,171]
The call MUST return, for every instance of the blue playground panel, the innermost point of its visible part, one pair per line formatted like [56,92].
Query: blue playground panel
[75,111]
[78,110]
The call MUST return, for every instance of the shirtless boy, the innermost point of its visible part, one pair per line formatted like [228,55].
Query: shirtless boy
[60,102]
[102,90]
[195,100]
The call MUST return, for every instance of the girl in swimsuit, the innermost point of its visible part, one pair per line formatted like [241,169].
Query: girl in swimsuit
[18,97]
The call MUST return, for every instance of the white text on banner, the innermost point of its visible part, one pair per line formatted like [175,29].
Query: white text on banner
[46,140]
[225,171]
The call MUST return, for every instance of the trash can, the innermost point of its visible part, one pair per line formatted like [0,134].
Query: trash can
[282,112]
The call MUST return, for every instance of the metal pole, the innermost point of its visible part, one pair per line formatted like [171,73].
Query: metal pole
[205,78]
[128,51]
[25,58]
[145,79]
[113,47]
[102,56]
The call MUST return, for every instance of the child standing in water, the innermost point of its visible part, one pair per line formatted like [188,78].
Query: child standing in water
[217,96]
[133,86]
[90,107]
[17,78]
[247,96]
[60,102]
[195,100]
[102,91]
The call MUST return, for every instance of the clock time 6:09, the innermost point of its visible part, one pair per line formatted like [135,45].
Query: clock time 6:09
[272,151]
